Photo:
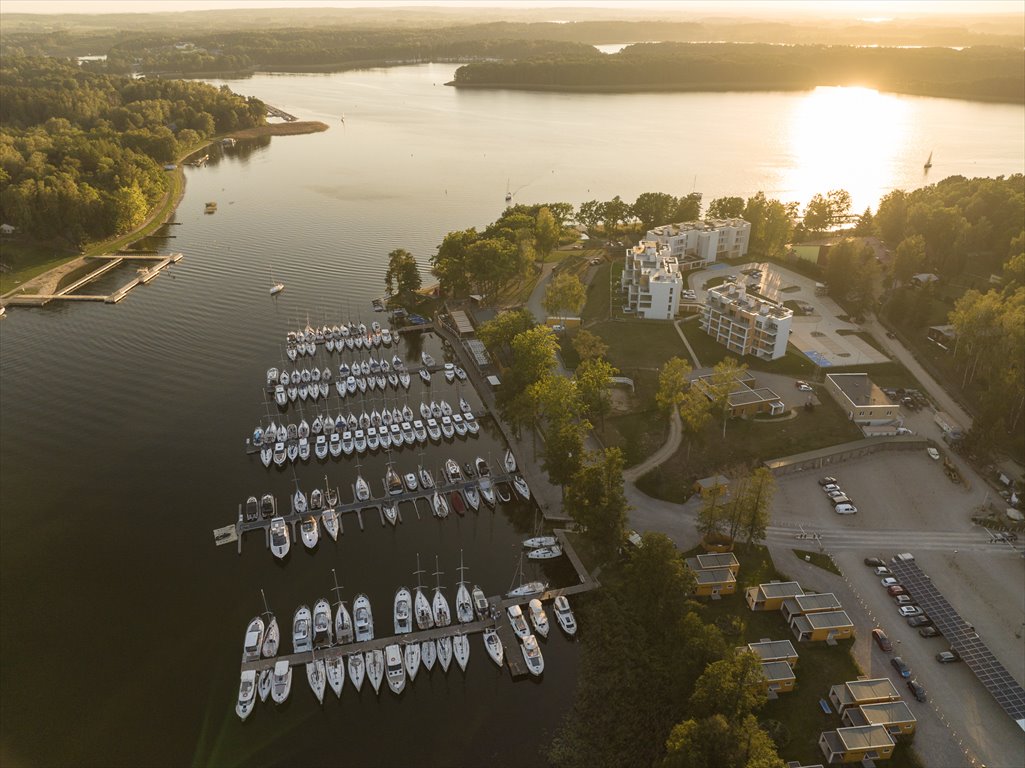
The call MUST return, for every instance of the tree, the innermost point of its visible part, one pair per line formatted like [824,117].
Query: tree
[533,353]
[451,263]
[756,504]
[726,208]
[892,216]
[770,224]
[564,293]
[695,413]
[716,742]
[402,279]
[712,516]
[721,383]
[564,450]
[688,208]
[498,332]
[594,379]
[589,214]
[589,345]
[909,258]
[654,208]
[865,226]
[129,208]
[546,233]
[673,384]
[492,263]
[816,214]
[731,687]
[611,213]
[595,500]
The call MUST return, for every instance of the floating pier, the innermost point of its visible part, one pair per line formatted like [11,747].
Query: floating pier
[110,262]
[275,112]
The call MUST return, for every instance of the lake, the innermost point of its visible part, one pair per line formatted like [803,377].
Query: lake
[123,426]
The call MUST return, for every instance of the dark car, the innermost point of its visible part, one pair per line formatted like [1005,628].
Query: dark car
[917,690]
[919,621]
[882,640]
[947,657]
[901,667]
[875,562]
[929,632]
[827,481]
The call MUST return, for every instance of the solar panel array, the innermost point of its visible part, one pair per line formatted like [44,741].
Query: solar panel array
[963,638]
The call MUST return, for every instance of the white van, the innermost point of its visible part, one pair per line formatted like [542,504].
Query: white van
[845,509]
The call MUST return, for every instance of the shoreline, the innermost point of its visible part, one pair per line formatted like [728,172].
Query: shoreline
[47,282]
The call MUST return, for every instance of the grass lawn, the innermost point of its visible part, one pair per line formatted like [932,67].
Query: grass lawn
[819,559]
[29,259]
[820,666]
[644,344]
[600,289]
[747,443]
[642,429]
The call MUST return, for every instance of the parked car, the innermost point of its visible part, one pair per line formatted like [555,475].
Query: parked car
[882,640]
[896,589]
[875,562]
[903,669]
[1006,536]
[845,509]
[841,499]
[889,581]
[828,481]
[831,487]
[947,657]
[835,494]
[804,386]
[904,431]
[910,610]
[917,690]
[882,570]
[929,632]
[919,621]
[596,260]
[903,600]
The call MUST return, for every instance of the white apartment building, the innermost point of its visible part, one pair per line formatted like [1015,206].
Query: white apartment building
[696,244]
[652,280]
[746,326]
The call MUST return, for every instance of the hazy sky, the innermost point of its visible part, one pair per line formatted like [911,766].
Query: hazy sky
[839,8]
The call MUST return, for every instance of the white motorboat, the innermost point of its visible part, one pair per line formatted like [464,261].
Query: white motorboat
[362,488]
[268,506]
[272,377]
[302,630]
[384,437]
[330,520]
[420,430]
[408,433]
[375,668]
[472,497]
[460,373]
[335,668]
[410,481]
[348,445]
[427,360]
[439,505]
[444,652]
[452,471]
[447,429]
[280,454]
[545,553]
[450,372]
[459,425]
[359,441]
[364,618]
[426,478]
[357,670]
[538,617]
[519,624]
[395,432]
[428,654]
[532,655]
[304,449]
[425,375]
[403,614]
[254,640]
[334,445]
[280,538]
[540,541]
[310,532]
[493,644]
[487,490]
[281,682]
[411,652]
[264,683]
[391,512]
[320,447]
[317,677]
[509,461]
[246,694]
[322,623]
[394,668]
[433,430]
[564,616]
[299,504]
[461,650]
[252,509]
[521,487]
[480,603]
[271,638]
[280,396]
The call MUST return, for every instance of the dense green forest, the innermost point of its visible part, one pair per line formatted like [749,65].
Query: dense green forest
[81,153]
[992,74]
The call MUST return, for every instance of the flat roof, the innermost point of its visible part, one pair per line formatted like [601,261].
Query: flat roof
[714,576]
[823,601]
[777,670]
[883,713]
[878,688]
[781,589]
[463,324]
[717,560]
[771,650]
[829,619]
[859,389]
[865,737]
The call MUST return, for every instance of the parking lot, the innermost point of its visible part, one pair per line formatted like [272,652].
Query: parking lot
[904,499]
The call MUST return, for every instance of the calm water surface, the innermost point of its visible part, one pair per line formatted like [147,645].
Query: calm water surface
[120,446]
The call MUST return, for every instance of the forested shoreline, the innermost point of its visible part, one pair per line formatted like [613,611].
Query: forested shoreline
[82,153]
[988,74]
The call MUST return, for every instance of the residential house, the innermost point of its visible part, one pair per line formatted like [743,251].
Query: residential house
[769,597]
[746,325]
[713,582]
[799,605]
[696,244]
[829,626]
[862,401]
[714,560]
[895,716]
[745,399]
[773,650]
[652,281]
[855,693]
[779,677]
[856,745]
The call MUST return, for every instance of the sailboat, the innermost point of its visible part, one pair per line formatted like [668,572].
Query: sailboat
[524,589]
[464,607]
[422,606]
[508,194]
[343,621]
[928,163]
[275,287]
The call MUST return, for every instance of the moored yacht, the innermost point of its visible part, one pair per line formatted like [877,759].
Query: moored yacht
[538,617]
[493,643]
[302,630]
[444,652]
[532,655]
[246,694]
[461,650]
[394,668]
[271,638]
[364,618]
[480,603]
[253,640]
[310,532]
[280,538]
[428,654]
[521,487]
[519,624]
[403,614]
[411,652]
[281,682]
[357,669]
[564,616]
[317,677]
[335,673]
[375,668]
[322,623]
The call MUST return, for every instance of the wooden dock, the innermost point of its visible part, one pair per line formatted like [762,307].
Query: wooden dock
[275,112]
[111,261]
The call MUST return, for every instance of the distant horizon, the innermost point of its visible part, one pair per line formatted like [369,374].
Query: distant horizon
[855,10]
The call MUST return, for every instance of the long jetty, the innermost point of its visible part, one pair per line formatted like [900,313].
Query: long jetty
[497,619]
[111,261]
